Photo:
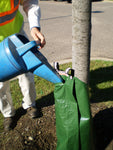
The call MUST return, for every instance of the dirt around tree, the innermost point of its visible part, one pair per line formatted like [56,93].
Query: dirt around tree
[40,133]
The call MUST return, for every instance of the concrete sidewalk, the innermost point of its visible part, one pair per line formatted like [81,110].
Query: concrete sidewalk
[102,30]
[56,23]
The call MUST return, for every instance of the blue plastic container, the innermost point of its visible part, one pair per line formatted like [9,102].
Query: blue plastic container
[19,56]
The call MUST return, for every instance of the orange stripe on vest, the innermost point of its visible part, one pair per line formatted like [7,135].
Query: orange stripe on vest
[9,13]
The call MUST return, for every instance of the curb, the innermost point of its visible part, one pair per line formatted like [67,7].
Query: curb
[92,58]
[107,1]
[101,58]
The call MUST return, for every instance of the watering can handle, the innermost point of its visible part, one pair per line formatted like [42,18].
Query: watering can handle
[26,47]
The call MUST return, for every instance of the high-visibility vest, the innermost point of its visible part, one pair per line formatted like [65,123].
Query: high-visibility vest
[11,19]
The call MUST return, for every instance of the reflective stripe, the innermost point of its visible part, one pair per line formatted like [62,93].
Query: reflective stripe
[16,2]
[8,16]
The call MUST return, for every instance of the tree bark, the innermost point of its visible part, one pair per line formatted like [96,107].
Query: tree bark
[81,38]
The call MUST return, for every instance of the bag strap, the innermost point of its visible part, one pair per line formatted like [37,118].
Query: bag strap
[67,72]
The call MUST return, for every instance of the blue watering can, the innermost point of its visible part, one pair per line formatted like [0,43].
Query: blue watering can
[18,56]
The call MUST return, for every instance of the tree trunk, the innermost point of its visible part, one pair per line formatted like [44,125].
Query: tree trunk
[81,37]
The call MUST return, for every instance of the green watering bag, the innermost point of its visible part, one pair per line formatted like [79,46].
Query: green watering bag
[73,117]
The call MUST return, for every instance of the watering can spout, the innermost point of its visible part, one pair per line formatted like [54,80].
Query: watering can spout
[19,56]
[47,72]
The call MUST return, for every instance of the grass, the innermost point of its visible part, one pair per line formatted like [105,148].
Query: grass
[101,82]
[100,87]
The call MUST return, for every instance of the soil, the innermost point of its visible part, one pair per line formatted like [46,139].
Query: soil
[40,133]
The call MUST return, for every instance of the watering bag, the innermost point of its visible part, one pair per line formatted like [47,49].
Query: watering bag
[73,117]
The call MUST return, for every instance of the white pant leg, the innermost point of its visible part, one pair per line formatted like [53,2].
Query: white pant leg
[26,83]
[6,106]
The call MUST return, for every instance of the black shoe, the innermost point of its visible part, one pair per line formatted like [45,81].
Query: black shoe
[8,123]
[33,112]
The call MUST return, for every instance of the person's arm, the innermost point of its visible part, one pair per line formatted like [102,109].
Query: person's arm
[32,10]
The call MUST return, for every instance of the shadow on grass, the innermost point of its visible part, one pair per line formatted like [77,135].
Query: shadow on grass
[103,121]
[101,76]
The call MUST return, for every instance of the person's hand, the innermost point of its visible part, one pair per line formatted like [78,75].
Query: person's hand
[38,37]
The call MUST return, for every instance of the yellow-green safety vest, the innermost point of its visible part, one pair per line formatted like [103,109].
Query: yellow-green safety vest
[11,19]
